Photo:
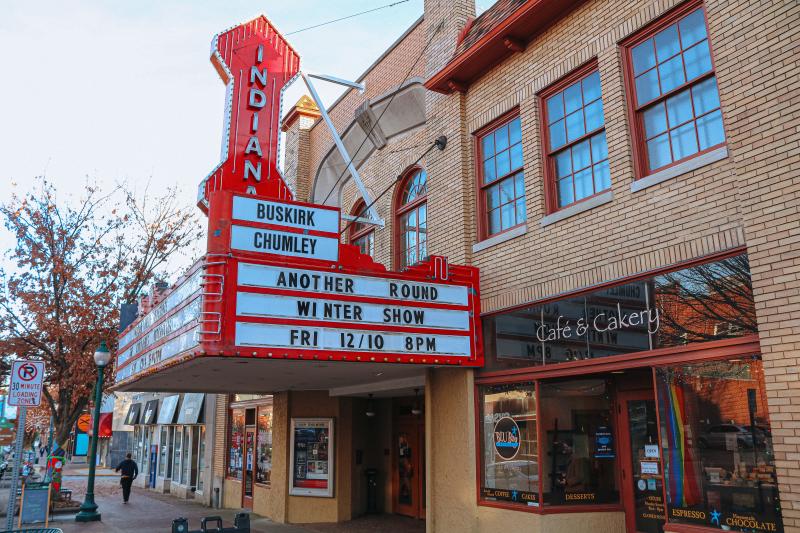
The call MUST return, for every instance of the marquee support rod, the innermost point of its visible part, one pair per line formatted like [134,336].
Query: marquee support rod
[373,214]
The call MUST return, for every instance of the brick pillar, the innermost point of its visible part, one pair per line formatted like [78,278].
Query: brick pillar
[451,229]
[756,64]
[297,125]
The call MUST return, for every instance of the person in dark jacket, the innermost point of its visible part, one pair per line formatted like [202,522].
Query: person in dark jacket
[128,471]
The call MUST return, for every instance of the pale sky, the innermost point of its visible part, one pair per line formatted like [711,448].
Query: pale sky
[124,91]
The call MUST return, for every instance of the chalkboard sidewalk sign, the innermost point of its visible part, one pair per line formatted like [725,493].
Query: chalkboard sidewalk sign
[35,504]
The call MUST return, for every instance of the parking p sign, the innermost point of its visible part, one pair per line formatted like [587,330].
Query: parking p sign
[26,383]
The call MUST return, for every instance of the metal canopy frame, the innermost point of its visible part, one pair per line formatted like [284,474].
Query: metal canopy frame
[372,214]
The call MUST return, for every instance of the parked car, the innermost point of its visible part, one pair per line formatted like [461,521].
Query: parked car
[718,436]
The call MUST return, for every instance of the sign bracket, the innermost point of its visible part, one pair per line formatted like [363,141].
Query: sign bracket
[337,140]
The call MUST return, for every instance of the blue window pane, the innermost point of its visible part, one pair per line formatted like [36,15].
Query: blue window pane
[494,221]
[501,138]
[655,120]
[591,87]
[671,73]
[705,96]
[709,129]
[583,184]
[519,185]
[667,44]
[503,164]
[693,28]
[581,155]
[594,115]
[575,126]
[487,145]
[558,135]
[520,210]
[602,176]
[658,152]
[684,141]
[565,195]
[555,108]
[514,131]
[507,191]
[516,156]
[492,197]
[507,216]
[698,60]
[488,171]
[599,147]
[572,97]
[563,164]
[644,57]
[679,108]
[423,215]
[647,87]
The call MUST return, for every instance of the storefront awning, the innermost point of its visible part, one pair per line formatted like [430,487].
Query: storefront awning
[132,418]
[191,407]
[150,410]
[168,407]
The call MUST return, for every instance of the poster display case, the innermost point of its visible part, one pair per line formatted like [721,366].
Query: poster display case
[312,452]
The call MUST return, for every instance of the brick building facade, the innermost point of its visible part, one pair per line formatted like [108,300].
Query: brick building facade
[680,170]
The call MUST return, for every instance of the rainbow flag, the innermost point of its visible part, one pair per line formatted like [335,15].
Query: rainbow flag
[683,484]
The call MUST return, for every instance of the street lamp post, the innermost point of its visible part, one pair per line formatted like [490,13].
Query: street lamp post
[88,512]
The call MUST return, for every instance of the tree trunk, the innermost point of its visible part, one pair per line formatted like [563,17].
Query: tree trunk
[65,422]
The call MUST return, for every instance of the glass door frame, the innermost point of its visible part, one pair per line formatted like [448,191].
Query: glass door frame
[414,427]
[249,454]
[625,463]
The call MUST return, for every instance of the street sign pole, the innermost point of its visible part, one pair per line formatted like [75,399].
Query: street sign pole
[12,492]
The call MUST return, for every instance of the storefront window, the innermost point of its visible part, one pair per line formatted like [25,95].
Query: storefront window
[176,461]
[236,443]
[509,445]
[187,446]
[580,464]
[707,302]
[717,445]
[201,458]
[162,458]
[264,445]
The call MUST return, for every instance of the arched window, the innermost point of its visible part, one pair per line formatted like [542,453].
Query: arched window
[362,235]
[411,219]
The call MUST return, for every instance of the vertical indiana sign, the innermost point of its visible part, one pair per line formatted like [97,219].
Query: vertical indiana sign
[256,63]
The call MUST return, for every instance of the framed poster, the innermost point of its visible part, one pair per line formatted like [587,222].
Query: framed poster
[311,456]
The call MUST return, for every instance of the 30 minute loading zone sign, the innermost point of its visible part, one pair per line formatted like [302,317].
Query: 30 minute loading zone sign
[26,383]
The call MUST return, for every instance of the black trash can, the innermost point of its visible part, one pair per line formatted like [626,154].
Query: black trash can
[372,490]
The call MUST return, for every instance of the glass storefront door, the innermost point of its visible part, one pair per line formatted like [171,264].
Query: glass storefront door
[249,470]
[642,478]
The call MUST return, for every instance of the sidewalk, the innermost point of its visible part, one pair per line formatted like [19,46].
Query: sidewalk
[149,511]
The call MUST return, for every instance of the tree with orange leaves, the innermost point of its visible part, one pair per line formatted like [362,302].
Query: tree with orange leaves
[77,260]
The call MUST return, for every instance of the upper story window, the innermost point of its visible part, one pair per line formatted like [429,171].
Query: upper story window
[500,176]
[576,165]
[673,90]
[411,217]
[362,235]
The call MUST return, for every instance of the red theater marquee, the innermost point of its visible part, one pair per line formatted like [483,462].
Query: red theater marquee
[278,286]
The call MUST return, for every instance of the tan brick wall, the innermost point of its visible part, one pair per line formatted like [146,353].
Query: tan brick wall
[748,199]
[220,435]
[385,76]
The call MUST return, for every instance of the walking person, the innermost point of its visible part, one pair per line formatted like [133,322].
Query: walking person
[128,471]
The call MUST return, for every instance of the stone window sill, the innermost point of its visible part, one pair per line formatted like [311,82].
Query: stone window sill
[500,238]
[580,207]
[681,168]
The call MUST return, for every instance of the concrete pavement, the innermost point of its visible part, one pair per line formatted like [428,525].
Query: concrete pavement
[149,511]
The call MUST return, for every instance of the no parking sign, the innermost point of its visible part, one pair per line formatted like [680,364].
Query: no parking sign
[26,383]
